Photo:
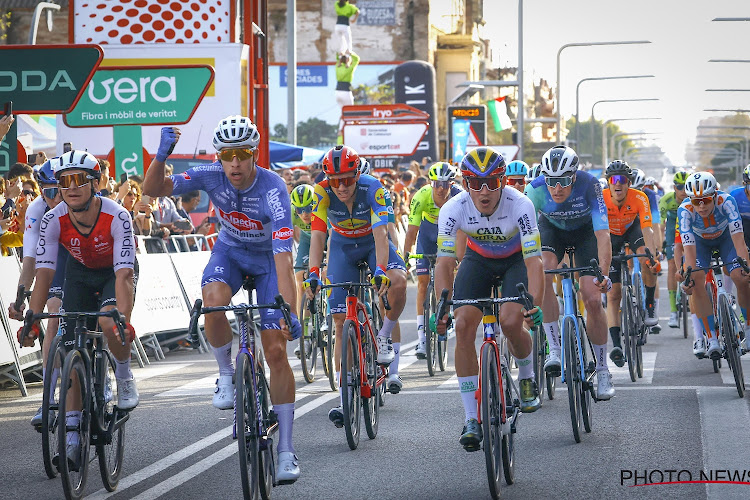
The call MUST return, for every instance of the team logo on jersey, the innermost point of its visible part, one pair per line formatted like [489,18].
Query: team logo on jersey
[352,223]
[282,234]
[240,221]
[380,196]
[186,176]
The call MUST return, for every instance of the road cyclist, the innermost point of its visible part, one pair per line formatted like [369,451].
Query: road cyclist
[668,205]
[255,240]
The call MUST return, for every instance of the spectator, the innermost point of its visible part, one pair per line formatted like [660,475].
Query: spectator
[426,162]
[403,185]
[5,123]
[30,188]
[189,202]
[301,175]
[40,158]
[421,182]
[346,13]
[8,237]
[107,183]
[286,174]
[144,220]
[131,195]
[344,75]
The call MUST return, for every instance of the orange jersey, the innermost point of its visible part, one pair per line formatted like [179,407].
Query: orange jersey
[621,218]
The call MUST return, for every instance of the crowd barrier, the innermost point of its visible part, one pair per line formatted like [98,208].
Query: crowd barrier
[169,283]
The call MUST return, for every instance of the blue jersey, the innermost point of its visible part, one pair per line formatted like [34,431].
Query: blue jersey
[584,205]
[724,216]
[259,217]
[743,203]
[653,200]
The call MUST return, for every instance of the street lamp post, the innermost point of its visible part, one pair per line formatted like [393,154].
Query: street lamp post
[604,133]
[744,145]
[593,107]
[580,44]
[598,78]
[520,132]
[621,142]
[626,134]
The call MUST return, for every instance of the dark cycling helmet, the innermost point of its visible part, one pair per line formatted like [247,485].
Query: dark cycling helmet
[618,167]
[482,162]
[302,196]
[45,174]
[441,171]
[340,160]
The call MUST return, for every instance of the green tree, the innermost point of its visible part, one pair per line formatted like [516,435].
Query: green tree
[314,132]
[279,133]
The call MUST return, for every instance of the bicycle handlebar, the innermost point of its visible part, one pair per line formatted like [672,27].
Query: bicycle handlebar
[594,266]
[197,310]
[20,295]
[353,284]
[739,260]
[116,316]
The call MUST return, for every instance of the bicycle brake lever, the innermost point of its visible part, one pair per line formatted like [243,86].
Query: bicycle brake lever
[195,313]
[386,304]
[285,311]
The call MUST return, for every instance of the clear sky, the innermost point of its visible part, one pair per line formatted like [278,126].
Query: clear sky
[683,39]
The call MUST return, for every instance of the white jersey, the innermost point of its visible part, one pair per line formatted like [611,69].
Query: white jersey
[510,229]
[33,221]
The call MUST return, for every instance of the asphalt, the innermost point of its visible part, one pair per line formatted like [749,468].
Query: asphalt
[680,417]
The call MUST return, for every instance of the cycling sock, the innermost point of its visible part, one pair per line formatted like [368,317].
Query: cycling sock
[600,352]
[223,357]
[420,328]
[53,383]
[122,369]
[285,412]
[525,366]
[697,327]
[673,301]
[742,310]
[553,335]
[650,295]
[73,418]
[388,325]
[393,367]
[708,325]
[614,333]
[468,386]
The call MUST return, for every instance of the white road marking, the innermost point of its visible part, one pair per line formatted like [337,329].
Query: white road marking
[451,383]
[622,376]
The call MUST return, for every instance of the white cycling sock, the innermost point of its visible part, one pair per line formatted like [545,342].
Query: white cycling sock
[388,325]
[285,412]
[73,418]
[600,353]
[697,327]
[525,366]
[223,357]
[552,330]
[420,328]
[468,387]
[122,369]
[393,367]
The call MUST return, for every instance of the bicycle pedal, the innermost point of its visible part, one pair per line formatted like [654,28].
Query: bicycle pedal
[472,447]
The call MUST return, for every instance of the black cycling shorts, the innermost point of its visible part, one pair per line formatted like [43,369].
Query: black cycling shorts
[56,289]
[633,237]
[556,240]
[477,274]
[82,284]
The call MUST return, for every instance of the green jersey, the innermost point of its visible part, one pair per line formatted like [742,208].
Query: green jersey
[422,206]
[668,206]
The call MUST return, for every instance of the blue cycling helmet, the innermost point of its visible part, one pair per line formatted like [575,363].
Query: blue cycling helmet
[517,167]
[46,173]
[482,162]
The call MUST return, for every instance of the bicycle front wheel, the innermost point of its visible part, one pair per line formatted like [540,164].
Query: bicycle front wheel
[330,345]
[585,387]
[572,375]
[350,383]
[319,320]
[491,416]
[308,342]
[684,313]
[75,383]
[246,413]
[538,339]
[51,405]
[431,347]
[629,331]
[371,405]
[729,332]
[110,447]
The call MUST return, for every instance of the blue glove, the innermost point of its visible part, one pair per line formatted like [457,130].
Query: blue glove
[168,141]
[295,328]
[312,281]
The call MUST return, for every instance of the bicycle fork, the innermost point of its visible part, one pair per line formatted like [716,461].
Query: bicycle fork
[488,325]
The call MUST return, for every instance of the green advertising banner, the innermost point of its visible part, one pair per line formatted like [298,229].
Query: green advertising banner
[143,95]
[128,151]
[9,149]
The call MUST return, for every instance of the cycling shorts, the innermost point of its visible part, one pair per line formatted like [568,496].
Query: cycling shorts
[723,244]
[426,243]
[633,237]
[669,235]
[303,251]
[556,240]
[56,289]
[80,289]
[345,268]
[477,274]
[230,264]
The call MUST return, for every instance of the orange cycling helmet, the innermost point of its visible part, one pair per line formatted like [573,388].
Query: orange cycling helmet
[340,160]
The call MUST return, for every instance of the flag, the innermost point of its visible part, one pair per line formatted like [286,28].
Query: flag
[499,113]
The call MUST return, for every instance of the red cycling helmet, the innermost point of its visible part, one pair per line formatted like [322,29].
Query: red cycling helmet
[340,160]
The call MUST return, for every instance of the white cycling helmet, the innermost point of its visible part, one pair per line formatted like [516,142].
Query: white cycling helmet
[441,171]
[236,132]
[534,173]
[603,183]
[559,161]
[650,181]
[76,160]
[639,178]
[364,166]
[700,184]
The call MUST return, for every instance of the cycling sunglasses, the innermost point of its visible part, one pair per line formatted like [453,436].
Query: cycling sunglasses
[513,182]
[80,178]
[27,192]
[564,181]
[679,187]
[342,181]
[618,179]
[50,192]
[476,183]
[242,154]
[304,210]
[702,201]
[441,184]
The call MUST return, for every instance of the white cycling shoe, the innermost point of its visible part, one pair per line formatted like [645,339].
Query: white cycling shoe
[288,471]
[394,383]
[421,351]
[385,351]
[224,393]
[699,348]
[552,363]
[714,349]
[604,387]
[127,394]
[673,322]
